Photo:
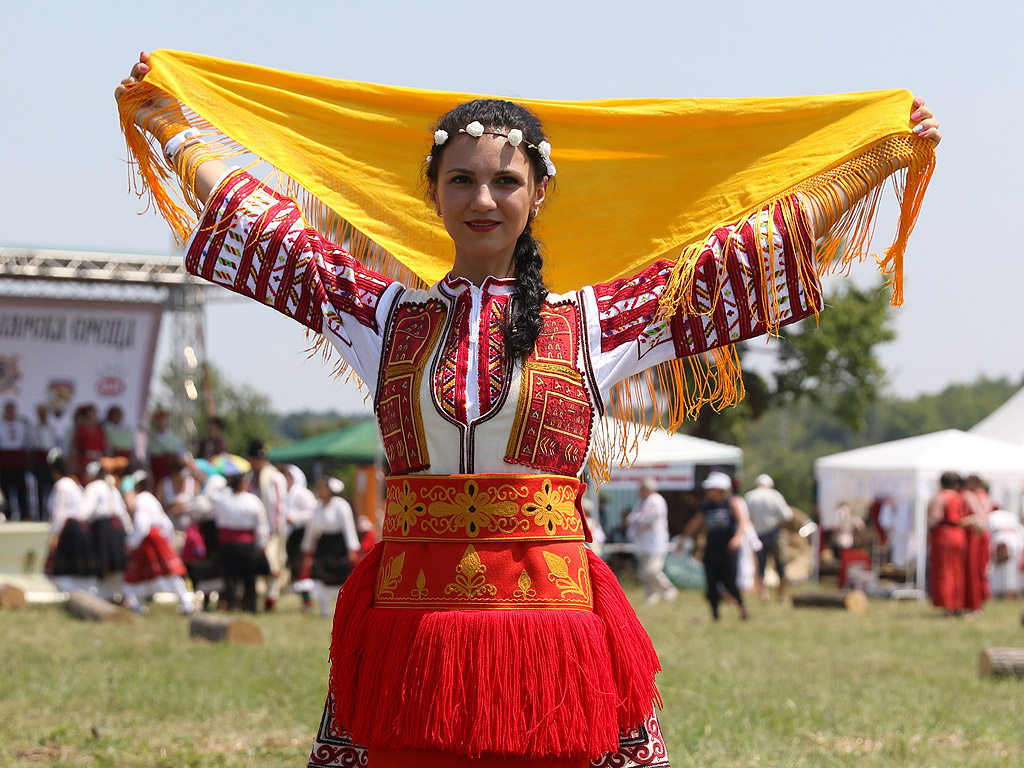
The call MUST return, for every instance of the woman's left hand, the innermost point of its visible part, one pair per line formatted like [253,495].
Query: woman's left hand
[925,124]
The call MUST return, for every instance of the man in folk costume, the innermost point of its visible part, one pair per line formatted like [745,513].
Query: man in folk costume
[120,435]
[14,459]
[489,389]
[272,488]
[44,440]
[165,447]
[947,541]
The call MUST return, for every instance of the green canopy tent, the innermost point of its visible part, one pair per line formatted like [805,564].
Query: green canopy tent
[357,444]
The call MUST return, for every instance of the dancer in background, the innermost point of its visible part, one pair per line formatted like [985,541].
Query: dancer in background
[299,505]
[330,543]
[153,565]
[109,525]
[242,534]
[72,561]
[272,487]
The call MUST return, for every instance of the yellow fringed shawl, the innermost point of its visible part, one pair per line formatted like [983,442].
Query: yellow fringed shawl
[638,179]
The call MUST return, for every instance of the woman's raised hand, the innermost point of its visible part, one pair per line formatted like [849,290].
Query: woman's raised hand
[158,104]
[925,124]
[161,116]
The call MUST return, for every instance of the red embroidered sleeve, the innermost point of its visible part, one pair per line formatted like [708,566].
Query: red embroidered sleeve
[254,241]
[748,278]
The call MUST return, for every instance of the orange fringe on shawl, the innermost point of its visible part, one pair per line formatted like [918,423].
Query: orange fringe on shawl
[697,381]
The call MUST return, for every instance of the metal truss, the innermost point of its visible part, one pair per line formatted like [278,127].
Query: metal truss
[85,266]
[124,277]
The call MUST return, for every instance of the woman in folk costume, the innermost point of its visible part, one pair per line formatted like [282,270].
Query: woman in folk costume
[479,631]
[947,545]
[177,493]
[72,561]
[331,543]
[109,523]
[243,530]
[153,565]
[89,441]
[977,505]
[299,504]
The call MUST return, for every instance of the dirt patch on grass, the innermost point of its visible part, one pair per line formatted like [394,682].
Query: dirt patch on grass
[40,754]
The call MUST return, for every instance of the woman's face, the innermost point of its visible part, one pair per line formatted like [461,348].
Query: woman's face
[323,492]
[485,192]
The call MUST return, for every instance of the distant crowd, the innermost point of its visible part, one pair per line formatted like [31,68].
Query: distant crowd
[239,528]
[81,437]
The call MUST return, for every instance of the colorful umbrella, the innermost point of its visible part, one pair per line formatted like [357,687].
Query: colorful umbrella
[229,465]
[206,467]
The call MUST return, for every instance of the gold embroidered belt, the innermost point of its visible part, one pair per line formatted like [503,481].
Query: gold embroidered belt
[483,542]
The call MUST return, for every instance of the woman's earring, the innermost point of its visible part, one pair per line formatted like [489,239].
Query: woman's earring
[437,211]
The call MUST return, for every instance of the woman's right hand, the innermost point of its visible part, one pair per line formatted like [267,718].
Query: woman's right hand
[161,116]
[155,105]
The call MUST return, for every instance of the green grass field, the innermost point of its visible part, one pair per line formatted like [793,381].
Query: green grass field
[897,686]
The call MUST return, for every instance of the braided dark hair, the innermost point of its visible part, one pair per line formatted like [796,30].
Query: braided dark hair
[520,331]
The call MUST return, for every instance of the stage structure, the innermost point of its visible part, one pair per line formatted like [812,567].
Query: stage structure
[79,326]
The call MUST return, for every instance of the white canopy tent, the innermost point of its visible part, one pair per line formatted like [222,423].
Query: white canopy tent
[1004,423]
[670,457]
[907,471]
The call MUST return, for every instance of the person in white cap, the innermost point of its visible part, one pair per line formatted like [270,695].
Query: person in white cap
[330,542]
[723,521]
[768,510]
[647,527]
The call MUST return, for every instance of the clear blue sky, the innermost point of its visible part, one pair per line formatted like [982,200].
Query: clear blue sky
[65,181]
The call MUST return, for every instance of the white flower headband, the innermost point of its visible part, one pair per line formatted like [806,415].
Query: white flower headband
[515,138]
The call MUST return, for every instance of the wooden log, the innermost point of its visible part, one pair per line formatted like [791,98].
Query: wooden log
[85,605]
[11,596]
[853,600]
[1001,662]
[229,629]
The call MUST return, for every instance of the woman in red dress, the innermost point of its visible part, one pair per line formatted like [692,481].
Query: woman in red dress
[947,559]
[977,505]
[90,440]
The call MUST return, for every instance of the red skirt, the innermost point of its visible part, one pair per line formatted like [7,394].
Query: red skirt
[481,626]
[153,558]
[976,588]
[947,563]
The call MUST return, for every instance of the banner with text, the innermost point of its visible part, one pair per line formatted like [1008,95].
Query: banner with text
[65,353]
